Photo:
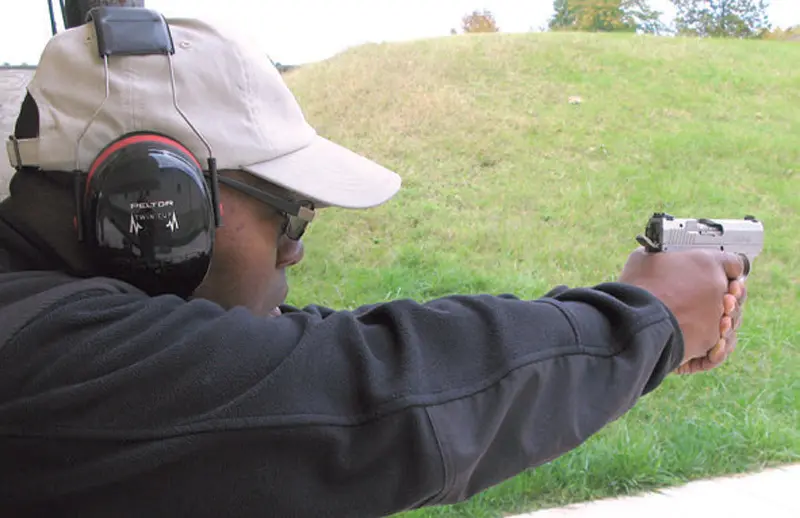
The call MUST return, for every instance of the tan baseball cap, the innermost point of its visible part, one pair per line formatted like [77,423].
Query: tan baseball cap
[229,90]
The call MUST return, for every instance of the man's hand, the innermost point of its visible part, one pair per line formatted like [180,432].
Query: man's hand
[733,303]
[703,291]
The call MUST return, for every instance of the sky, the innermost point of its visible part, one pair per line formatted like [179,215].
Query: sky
[302,31]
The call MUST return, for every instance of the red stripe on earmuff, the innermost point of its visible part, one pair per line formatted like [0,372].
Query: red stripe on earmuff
[136,139]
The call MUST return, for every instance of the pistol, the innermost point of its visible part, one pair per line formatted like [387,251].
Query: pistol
[744,237]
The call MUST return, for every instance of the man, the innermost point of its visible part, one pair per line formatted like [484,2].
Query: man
[116,400]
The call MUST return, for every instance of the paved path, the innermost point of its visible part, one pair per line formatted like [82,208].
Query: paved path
[12,91]
[773,493]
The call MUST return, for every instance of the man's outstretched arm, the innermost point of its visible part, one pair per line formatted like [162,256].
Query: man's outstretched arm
[127,404]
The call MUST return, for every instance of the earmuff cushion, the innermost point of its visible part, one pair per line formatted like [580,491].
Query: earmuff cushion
[149,215]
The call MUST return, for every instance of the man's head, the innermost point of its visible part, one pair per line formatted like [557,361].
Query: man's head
[256,245]
[232,104]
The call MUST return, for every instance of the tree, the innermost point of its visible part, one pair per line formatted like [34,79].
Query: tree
[788,34]
[602,16]
[563,18]
[479,21]
[721,18]
[646,19]
[606,16]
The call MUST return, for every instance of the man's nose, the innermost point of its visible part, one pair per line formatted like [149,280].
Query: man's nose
[290,252]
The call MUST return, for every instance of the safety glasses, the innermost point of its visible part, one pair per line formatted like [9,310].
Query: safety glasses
[297,215]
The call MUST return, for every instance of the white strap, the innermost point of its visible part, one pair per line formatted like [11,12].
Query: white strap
[27,149]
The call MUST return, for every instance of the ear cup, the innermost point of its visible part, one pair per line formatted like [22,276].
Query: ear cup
[149,215]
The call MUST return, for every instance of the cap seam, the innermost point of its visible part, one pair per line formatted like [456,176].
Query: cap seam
[248,94]
[133,107]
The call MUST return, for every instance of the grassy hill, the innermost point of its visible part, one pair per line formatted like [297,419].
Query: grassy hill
[510,188]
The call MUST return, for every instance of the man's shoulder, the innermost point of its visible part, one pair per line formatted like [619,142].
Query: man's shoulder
[24,295]
[16,286]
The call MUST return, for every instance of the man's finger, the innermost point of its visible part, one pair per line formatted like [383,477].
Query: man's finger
[715,357]
[731,344]
[733,264]
[725,326]
[736,288]
[696,365]
[728,303]
[719,352]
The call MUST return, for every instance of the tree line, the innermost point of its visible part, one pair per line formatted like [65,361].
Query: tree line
[744,19]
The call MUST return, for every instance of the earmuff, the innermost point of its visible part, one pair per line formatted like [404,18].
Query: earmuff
[145,211]
[147,214]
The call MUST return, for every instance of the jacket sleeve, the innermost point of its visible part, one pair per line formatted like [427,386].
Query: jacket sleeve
[121,398]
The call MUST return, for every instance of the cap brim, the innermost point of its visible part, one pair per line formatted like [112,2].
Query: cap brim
[330,175]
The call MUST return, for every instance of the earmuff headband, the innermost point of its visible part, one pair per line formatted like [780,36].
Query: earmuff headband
[136,139]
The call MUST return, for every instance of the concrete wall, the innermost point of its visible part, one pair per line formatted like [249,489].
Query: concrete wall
[12,91]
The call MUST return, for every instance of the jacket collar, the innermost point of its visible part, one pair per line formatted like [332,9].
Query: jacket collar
[36,227]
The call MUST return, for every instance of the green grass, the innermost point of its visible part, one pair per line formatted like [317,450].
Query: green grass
[509,188]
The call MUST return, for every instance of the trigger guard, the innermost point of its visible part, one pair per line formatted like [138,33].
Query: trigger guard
[647,243]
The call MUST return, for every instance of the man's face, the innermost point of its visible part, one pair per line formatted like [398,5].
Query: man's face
[251,255]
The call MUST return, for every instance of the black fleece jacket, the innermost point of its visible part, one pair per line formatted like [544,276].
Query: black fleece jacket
[113,403]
